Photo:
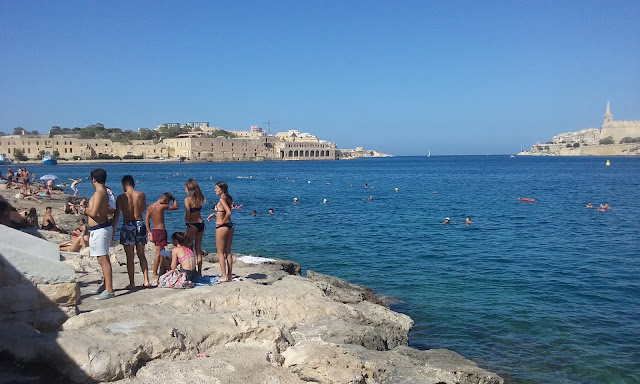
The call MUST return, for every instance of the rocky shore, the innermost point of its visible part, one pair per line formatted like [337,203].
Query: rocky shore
[271,326]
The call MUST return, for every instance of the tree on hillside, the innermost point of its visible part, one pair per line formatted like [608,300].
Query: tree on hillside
[56,153]
[576,145]
[19,131]
[607,140]
[3,133]
[34,132]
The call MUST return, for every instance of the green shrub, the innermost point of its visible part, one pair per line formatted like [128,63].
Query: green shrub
[607,141]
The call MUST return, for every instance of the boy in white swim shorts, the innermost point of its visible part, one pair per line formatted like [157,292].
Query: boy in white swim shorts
[101,230]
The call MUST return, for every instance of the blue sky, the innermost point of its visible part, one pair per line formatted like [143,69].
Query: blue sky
[401,77]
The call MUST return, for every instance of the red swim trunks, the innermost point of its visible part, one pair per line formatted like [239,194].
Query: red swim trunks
[159,237]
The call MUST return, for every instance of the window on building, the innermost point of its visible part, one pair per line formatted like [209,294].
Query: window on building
[70,150]
[65,150]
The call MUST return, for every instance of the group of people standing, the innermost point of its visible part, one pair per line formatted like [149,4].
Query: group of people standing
[136,231]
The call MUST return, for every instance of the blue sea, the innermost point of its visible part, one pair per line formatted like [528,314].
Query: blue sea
[538,292]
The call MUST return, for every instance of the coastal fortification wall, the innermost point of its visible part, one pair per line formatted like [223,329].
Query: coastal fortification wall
[620,129]
[595,150]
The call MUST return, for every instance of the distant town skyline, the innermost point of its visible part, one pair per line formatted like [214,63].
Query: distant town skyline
[458,77]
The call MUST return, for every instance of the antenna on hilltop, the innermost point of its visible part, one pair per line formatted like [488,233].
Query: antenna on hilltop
[268,122]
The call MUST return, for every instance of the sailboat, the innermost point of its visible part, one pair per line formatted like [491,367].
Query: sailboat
[429,155]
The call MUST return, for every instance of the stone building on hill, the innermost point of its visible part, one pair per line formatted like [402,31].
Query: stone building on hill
[252,145]
[613,138]
[618,130]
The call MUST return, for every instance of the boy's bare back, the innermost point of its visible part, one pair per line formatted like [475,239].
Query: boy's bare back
[132,203]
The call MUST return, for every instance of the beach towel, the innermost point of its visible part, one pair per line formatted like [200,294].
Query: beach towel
[174,279]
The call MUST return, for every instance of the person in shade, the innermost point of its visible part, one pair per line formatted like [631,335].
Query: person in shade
[195,226]
[133,234]
[224,230]
[101,231]
[183,256]
[158,235]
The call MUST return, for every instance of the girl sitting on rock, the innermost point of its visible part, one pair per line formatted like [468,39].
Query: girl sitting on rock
[183,255]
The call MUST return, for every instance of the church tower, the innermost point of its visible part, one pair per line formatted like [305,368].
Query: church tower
[608,117]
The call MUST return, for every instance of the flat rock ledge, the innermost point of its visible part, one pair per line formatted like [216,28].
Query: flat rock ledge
[274,326]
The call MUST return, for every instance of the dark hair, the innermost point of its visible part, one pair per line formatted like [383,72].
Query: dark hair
[100,175]
[83,220]
[179,237]
[168,196]
[128,180]
[225,190]
[48,208]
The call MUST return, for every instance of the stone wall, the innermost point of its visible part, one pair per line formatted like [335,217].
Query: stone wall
[620,129]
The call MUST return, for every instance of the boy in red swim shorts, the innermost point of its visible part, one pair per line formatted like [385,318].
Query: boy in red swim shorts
[158,235]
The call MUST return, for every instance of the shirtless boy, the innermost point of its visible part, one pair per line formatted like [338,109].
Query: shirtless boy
[74,185]
[133,232]
[101,231]
[50,222]
[158,235]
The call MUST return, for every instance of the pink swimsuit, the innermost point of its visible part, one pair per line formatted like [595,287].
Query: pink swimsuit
[188,254]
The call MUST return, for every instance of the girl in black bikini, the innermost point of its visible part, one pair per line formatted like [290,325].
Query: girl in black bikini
[195,226]
[224,230]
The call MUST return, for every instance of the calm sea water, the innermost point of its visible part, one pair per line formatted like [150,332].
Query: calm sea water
[544,292]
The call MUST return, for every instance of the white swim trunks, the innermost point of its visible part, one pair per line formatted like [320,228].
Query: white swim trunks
[99,241]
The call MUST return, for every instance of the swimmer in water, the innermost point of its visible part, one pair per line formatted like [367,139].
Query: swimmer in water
[446,221]
[589,205]
[271,211]
[468,221]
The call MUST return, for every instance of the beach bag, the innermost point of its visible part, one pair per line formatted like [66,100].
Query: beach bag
[174,279]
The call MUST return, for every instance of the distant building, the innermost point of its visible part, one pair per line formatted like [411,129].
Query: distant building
[587,141]
[618,130]
[361,152]
[203,145]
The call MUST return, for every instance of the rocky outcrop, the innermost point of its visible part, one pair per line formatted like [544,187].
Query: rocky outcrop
[271,327]
[35,286]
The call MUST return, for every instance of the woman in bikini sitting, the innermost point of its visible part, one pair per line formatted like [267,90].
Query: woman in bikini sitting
[183,255]
[195,226]
[224,230]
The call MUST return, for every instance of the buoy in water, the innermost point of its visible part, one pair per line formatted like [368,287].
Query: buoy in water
[608,163]
[396,189]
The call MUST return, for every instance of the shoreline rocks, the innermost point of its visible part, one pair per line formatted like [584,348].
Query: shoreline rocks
[272,326]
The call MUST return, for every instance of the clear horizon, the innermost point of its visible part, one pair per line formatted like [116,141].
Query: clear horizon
[399,77]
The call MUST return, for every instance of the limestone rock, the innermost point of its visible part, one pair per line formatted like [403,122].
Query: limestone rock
[63,294]
[342,290]
[272,327]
